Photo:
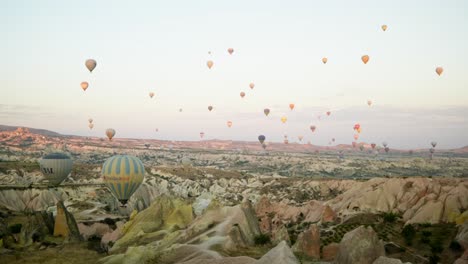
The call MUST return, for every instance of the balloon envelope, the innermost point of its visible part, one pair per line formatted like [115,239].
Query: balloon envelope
[242,94]
[110,133]
[91,125]
[291,106]
[261,138]
[229,123]
[384,27]
[324,60]
[284,119]
[123,174]
[210,108]
[365,59]
[209,64]
[151,94]
[90,120]
[439,70]
[251,85]
[55,167]
[90,64]
[230,50]
[313,128]
[266,111]
[84,85]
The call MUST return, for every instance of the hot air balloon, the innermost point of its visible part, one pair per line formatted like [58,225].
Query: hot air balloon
[229,123]
[123,174]
[266,111]
[251,85]
[434,144]
[324,60]
[439,70]
[328,113]
[157,129]
[361,147]
[180,110]
[264,146]
[242,94]
[55,167]
[209,64]
[230,50]
[411,152]
[333,139]
[354,144]
[365,59]
[291,106]
[373,145]
[261,139]
[110,133]
[356,136]
[387,149]
[147,145]
[210,108]
[84,85]
[202,134]
[284,119]
[300,137]
[369,102]
[313,128]
[286,141]
[90,120]
[90,64]
[90,125]
[384,27]
[432,150]
[151,94]
[384,144]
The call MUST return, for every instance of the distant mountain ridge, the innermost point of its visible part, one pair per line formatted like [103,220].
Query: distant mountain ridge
[42,132]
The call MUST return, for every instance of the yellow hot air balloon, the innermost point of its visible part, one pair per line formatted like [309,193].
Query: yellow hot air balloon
[229,123]
[151,94]
[251,85]
[91,125]
[230,50]
[90,64]
[284,119]
[84,85]
[439,70]
[384,27]
[324,60]
[242,94]
[123,174]
[291,106]
[365,59]
[209,64]
[110,133]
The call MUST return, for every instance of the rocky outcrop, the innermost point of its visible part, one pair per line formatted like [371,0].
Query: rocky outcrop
[94,230]
[308,243]
[281,235]
[163,217]
[65,224]
[281,254]
[385,260]
[420,200]
[360,245]
[463,259]
[330,251]
[462,235]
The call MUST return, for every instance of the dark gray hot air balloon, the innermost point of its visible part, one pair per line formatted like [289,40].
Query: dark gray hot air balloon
[261,138]
[90,64]
[55,167]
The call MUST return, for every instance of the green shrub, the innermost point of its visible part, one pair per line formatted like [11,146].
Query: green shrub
[426,233]
[455,246]
[436,247]
[15,229]
[390,217]
[262,239]
[425,240]
[408,233]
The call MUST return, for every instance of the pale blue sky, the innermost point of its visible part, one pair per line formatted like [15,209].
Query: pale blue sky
[162,46]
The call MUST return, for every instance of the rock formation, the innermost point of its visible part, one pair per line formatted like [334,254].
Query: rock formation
[65,224]
[308,243]
[360,245]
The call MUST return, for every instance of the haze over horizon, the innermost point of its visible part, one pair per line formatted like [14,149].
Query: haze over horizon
[163,47]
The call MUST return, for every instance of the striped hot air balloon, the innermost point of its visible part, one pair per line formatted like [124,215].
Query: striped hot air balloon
[123,174]
[55,167]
